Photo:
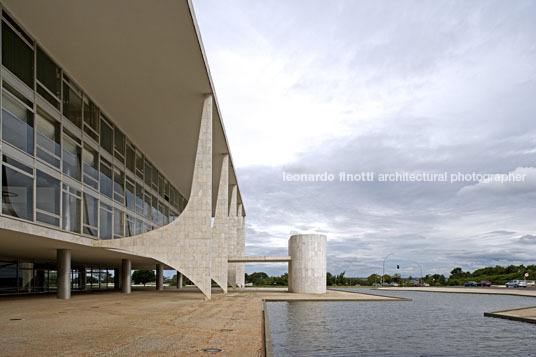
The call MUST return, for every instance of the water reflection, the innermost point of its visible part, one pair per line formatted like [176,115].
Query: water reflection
[431,324]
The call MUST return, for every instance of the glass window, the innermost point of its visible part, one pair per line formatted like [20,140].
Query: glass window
[147,205]
[139,164]
[72,105]
[91,211]
[139,198]
[49,76]
[17,54]
[48,138]
[166,215]
[106,187]
[166,190]
[154,209]
[119,223]
[131,157]
[47,192]
[17,124]
[106,135]
[130,226]
[148,169]
[71,156]
[119,185]
[161,185]
[160,214]
[105,229]
[119,145]
[17,192]
[129,188]
[71,209]
[139,226]
[91,119]
[90,159]
[155,179]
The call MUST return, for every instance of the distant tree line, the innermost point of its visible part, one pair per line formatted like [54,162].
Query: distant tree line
[497,275]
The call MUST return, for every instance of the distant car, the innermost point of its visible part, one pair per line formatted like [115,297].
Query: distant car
[385,284]
[416,285]
[516,284]
[425,284]
[530,282]
[484,283]
[470,283]
[393,284]
[376,284]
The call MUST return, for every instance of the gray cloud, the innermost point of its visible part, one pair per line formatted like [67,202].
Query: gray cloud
[445,86]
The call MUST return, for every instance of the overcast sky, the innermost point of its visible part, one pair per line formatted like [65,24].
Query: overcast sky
[380,86]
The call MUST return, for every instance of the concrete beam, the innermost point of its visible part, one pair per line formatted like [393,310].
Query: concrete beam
[259,259]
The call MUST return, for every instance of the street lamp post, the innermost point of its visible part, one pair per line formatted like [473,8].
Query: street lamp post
[383,269]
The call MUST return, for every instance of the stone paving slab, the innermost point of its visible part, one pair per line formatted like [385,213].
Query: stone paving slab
[149,323]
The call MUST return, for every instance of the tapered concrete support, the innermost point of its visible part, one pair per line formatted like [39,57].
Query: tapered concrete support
[63,261]
[179,280]
[240,248]
[159,277]
[184,244]
[231,237]
[117,279]
[126,267]
[307,268]
[218,269]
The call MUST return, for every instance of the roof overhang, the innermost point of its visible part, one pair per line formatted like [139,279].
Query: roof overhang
[143,63]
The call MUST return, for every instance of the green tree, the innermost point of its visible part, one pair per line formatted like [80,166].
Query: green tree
[143,276]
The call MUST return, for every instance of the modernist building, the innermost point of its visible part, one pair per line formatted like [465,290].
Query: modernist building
[114,154]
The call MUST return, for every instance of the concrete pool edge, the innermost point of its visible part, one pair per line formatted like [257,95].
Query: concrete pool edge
[519,314]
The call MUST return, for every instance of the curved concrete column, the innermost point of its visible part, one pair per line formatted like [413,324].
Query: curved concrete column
[126,277]
[218,269]
[159,277]
[307,268]
[184,244]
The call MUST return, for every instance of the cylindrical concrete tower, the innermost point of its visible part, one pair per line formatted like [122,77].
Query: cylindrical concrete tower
[307,268]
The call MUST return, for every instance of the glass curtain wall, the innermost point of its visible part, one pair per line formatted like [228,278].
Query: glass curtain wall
[65,164]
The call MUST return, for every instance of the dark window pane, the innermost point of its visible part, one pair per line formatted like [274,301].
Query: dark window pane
[155,179]
[71,158]
[48,219]
[106,136]
[119,223]
[47,193]
[17,56]
[119,144]
[91,119]
[154,209]
[147,206]
[139,198]
[148,170]
[90,159]
[72,105]
[48,73]
[48,138]
[91,209]
[17,194]
[130,195]
[17,124]
[106,186]
[131,158]
[139,165]
[105,230]
[51,99]
[119,185]
[130,226]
